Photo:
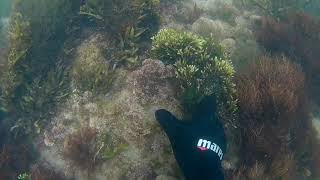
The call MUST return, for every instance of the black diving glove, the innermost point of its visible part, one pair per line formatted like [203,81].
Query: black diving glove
[198,145]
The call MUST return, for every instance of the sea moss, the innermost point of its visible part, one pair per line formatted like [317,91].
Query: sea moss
[273,112]
[296,36]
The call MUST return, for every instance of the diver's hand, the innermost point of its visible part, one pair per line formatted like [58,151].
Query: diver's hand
[198,145]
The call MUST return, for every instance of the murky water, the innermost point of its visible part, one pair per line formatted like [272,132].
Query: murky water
[80,81]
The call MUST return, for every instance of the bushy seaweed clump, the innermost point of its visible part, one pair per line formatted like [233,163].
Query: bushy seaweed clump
[277,139]
[296,36]
[201,68]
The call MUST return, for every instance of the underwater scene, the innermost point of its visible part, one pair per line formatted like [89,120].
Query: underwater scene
[160,89]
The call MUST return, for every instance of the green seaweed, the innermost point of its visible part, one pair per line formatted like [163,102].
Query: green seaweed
[201,68]
[131,23]
[129,46]
[35,77]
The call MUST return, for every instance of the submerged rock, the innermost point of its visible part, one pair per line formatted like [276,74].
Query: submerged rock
[151,81]
[131,144]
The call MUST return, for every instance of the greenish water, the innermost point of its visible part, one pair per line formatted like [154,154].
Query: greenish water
[77,84]
[5,8]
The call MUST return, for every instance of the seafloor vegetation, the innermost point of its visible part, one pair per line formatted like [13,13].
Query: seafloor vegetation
[81,79]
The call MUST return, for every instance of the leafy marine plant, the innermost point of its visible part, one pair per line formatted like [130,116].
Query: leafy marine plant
[170,46]
[129,46]
[35,77]
[135,37]
[149,18]
[131,23]
[114,15]
[201,68]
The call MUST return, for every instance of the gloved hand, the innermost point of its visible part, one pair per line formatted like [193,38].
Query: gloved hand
[198,145]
